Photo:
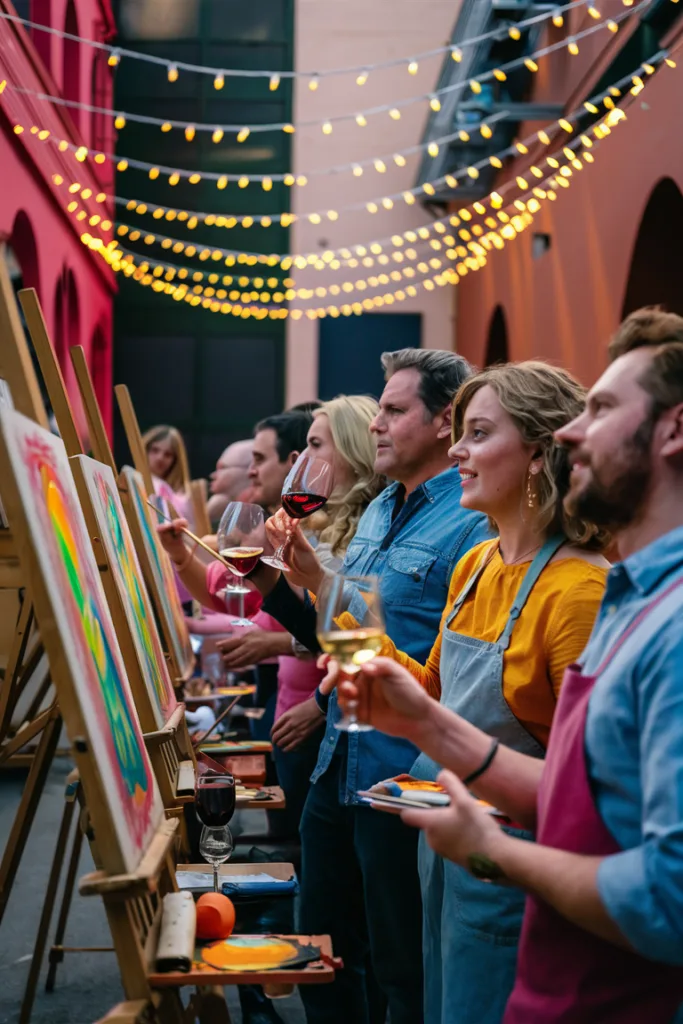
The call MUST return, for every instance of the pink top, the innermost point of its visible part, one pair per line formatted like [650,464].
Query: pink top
[183,506]
[297,679]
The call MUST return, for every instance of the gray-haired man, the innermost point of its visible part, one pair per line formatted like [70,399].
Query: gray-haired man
[359,872]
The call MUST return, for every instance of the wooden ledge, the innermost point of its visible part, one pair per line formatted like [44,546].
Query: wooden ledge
[144,878]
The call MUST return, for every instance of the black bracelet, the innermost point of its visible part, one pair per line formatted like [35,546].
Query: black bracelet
[484,766]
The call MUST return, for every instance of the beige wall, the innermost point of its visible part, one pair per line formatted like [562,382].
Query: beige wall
[341,33]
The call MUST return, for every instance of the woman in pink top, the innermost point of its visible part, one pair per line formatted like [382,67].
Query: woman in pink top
[340,435]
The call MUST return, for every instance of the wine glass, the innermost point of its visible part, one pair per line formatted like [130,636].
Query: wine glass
[306,489]
[351,646]
[241,539]
[215,846]
[214,799]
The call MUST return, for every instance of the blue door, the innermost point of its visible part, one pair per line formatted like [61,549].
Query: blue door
[350,349]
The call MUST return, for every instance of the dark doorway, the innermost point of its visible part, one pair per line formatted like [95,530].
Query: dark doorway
[350,349]
[497,345]
[655,275]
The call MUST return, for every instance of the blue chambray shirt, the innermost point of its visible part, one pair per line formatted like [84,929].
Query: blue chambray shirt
[634,750]
[414,557]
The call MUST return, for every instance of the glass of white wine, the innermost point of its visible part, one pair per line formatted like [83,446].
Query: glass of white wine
[352,647]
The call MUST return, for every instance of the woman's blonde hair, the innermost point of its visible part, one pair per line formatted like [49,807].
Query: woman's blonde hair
[178,476]
[539,399]
[349,417]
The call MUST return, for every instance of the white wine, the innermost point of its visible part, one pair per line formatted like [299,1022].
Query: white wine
[242,560]
[352,647]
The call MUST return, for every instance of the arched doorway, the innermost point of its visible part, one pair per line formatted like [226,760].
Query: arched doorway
[71,67]
[655,274]
[497,345]
[22,242]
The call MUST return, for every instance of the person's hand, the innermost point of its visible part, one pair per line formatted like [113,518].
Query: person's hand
[304,568]
[296,725]
[461,830]
[389,697]
[171,537]
[248,647]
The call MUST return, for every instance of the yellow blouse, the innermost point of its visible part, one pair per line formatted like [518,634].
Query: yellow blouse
[551,631]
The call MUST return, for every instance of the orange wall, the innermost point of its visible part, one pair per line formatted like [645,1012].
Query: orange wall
[564,305]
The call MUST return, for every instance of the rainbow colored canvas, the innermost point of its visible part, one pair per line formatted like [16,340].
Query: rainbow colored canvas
[78,634]
[115,535]
[161,573]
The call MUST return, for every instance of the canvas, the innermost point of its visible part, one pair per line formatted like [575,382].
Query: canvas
[76,628]
[160,572]
[114,533]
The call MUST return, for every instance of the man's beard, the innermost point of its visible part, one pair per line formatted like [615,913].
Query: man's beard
[617,502]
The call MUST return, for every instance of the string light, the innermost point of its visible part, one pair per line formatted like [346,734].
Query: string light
[172,73]
[115,52]
[475,84]
[600,130]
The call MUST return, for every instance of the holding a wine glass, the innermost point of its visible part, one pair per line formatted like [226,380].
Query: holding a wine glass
[308,486]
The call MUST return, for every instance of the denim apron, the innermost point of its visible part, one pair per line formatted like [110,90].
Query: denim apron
[471,928]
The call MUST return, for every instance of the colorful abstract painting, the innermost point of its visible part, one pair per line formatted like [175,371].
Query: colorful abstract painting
[114,533]
[79,637]
[160,571]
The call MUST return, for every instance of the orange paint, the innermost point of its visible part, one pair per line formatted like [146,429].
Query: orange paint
[249,953]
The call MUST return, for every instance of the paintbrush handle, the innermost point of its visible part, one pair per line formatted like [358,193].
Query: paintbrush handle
[192,536]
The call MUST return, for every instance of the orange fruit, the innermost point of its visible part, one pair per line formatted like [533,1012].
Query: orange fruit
[215,916]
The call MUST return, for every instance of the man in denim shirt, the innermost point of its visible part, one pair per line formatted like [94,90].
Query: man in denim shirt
[359,870]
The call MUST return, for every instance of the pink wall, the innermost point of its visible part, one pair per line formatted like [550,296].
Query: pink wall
[74,285]
[564,305]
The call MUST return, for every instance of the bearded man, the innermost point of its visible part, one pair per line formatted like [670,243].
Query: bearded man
[602,941]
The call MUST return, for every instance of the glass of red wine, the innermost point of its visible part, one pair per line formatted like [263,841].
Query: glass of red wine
[214,801]
[308,485]
[241,539]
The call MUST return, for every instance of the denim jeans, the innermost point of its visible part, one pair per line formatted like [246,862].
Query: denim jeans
[359,884]
[294,770]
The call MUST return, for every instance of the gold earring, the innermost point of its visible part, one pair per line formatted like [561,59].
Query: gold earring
[530,493]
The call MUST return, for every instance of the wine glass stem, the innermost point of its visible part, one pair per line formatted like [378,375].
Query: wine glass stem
[240,605]
[215,878]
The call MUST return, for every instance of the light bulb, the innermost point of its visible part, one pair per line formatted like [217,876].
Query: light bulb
[313,84]
[435,104]
[219,81]
[243,134]
[274,82]
[475,86]
[172,73]
[190,132]
[413,67]
[456,54]
[433,149]
[120,122]
[395,114]
[361,120]
[362,78]
[327,128]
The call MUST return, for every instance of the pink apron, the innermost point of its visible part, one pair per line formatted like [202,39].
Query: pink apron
[566,975]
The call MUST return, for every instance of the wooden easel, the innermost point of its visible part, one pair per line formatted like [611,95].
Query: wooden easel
[136,868]
[199,494]
[27,678]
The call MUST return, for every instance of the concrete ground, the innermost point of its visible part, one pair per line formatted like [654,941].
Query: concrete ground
[88,984]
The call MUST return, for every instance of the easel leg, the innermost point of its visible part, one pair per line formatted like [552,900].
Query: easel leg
[56,954]
[27,808]
[46,915]
[209,1005]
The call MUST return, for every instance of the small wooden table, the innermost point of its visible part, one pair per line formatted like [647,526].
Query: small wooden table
[273,800]
[251,770]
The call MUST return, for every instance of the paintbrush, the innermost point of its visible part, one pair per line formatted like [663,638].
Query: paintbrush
[192,536]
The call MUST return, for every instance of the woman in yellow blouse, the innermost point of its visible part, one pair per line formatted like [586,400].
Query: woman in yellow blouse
[520,609]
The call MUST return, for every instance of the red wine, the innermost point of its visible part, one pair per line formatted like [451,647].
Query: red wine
[242,560]
[299,504]
[214,800]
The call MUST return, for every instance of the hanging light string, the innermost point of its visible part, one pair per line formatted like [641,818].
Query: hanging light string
[242,132]
[333,259]
[214,299]
[274,77]
[523,209]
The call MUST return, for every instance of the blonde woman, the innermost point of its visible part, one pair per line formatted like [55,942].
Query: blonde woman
[340,435]
[520,609]
[169,466]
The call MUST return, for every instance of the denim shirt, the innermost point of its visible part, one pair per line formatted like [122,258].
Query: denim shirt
[634,749]
[414,557]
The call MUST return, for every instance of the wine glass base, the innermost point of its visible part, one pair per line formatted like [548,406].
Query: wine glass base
[345,726]
[241,622]
[275,562]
